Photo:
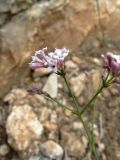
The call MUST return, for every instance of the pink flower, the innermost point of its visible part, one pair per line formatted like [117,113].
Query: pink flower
[112,64]
[54,60]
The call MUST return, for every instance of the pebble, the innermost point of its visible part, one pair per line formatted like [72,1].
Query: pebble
[53,117]
[38,158]
[72,143]
[51,86]
[4,149]
[77,126]
[52,150]
[78,84]
[101,147]
[97,61]
[114,91]
[70,64]
[50,126]
[16,96]
[76,60]
[41,72]
[23,127]
[44,114]
[96,80]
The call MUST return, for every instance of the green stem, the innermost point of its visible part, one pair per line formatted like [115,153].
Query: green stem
[59,104]
[93,140]
[92,99]
[71,93]
[88,132]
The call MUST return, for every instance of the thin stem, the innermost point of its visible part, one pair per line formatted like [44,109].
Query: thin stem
[93,140]
[88,132]
[70,92]
[93,121]
[92,99]
[58,103]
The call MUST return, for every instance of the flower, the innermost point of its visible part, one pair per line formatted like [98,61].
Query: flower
[39,60]
[54,60]
[34,89]
[112,64]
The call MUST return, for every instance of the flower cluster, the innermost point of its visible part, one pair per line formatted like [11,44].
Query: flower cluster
[112,64]
[53,60]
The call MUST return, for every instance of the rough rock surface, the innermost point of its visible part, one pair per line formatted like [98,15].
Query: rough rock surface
[23,127]
[27,25]
[52,150]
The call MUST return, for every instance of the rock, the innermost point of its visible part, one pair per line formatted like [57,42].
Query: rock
[77,126]
[44,114]
[39,99]
[81,100]
[70,65]
[41,72]
[14,6]
[38,158]
[4,149]
[35,158]
[73,144]
[53,117]
[101,147]
[76,60]
[51,86]
[23,127]
[50,126]
[78,84]
[52,150]
[16,97]
[97,61]
[85,141]
[118,153]
[96,80]
[114,91]
[106,93]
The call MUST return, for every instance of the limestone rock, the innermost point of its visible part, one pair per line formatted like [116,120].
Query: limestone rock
[52,150]
[23,127]
[51,86]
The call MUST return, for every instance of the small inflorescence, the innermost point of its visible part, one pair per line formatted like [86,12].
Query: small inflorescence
[112,64]
[53,60]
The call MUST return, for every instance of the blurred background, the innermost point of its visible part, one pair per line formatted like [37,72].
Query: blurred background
[88,28]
